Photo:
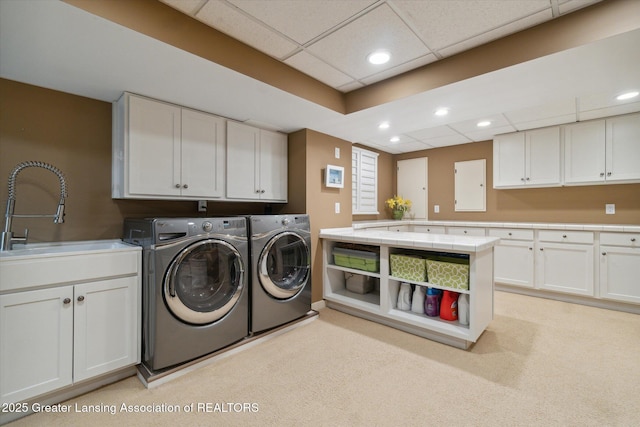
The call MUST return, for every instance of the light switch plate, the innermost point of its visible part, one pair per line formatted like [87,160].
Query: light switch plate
[436,208]
[337,152]
[337,207]
[202,205]
[610,208]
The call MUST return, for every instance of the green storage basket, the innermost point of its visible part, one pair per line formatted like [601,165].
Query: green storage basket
[359,260]
[453,275]
[408,267]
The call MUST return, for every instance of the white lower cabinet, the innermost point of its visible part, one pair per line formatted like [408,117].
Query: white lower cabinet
[513,257]
[85,324]
[36,342]
[620,267]
[565,262]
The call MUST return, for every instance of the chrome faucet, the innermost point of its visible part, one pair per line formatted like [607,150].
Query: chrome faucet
[58,218]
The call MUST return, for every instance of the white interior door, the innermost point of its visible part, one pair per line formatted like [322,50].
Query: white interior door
[412,185]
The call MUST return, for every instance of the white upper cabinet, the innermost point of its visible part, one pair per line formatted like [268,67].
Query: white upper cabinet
[602,151]
[256,163]
[163,151]
[527,159]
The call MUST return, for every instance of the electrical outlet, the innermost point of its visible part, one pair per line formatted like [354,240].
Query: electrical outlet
[610,208]
[436,208]
[202,205]
[337,207]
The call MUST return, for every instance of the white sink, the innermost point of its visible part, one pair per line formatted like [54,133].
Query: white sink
[63,248]
[40,265]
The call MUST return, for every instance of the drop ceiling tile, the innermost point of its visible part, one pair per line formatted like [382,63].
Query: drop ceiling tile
[228,20]
[470,126]
[347,48]
[489,133]
[545,122]
[497,33]
[302,21]
[433,133]
[445,140]
[614,110]
[407,66]
[185,6]
[543,115]
[318,69]
[408,147]
[566,6]
[435,19]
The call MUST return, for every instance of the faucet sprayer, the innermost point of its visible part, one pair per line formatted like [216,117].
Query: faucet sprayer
[58,218]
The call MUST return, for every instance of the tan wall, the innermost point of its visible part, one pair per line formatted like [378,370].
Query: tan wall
[584,204]
[321,200]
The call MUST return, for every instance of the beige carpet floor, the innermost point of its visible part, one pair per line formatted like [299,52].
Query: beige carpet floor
[540,363]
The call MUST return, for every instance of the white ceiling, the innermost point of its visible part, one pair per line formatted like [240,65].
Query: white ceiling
[52,44]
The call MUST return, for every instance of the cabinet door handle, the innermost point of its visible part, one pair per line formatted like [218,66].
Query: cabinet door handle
[185,186]
[542,249]
[261,191]
[257,191]
[177,185]
[604,253]
[601,174]
[633,239]
[509,234]
[608,173]
[530,249]
[564,236]
[465,231]
[528,178]
[522,179]
[81,298]
[66,301]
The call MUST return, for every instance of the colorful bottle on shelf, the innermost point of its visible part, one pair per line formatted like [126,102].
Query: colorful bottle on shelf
[449,306]
[404,297]
[417,303]
[463,309]
[432,303]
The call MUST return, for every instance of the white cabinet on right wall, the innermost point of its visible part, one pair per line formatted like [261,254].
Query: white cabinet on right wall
[256,163]
[602,151]
[620,266]
[527,159]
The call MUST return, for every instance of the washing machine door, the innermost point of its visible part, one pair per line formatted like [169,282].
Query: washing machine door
[283,266]
[204,281]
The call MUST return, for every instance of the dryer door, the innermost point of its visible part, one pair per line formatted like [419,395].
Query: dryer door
[204,281]
[283,267]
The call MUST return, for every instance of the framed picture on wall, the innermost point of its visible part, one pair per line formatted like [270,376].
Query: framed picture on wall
[334,176]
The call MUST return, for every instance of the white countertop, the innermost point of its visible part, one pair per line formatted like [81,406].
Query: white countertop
[631,228]
[410,239]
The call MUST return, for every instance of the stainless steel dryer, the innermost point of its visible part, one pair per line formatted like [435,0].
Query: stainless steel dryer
[280,269]
[195,293]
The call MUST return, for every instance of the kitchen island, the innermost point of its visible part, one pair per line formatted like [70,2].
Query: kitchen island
[380,304]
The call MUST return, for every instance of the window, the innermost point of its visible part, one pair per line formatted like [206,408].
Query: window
[364,168]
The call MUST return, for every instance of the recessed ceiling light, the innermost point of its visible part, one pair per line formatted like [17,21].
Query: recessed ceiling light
[379,57]
[483,124]
[383,125]
[627,95]
[442,112]
[394,139]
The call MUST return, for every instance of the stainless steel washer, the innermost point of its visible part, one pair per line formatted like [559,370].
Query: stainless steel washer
[195,293]
[280,269]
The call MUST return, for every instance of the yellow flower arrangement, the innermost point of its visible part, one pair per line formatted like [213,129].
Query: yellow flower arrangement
[397,203]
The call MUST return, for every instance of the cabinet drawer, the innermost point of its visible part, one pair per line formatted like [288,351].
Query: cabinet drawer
[561,236]
[433,229]
[620,239]
[466,231]
[511,233]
